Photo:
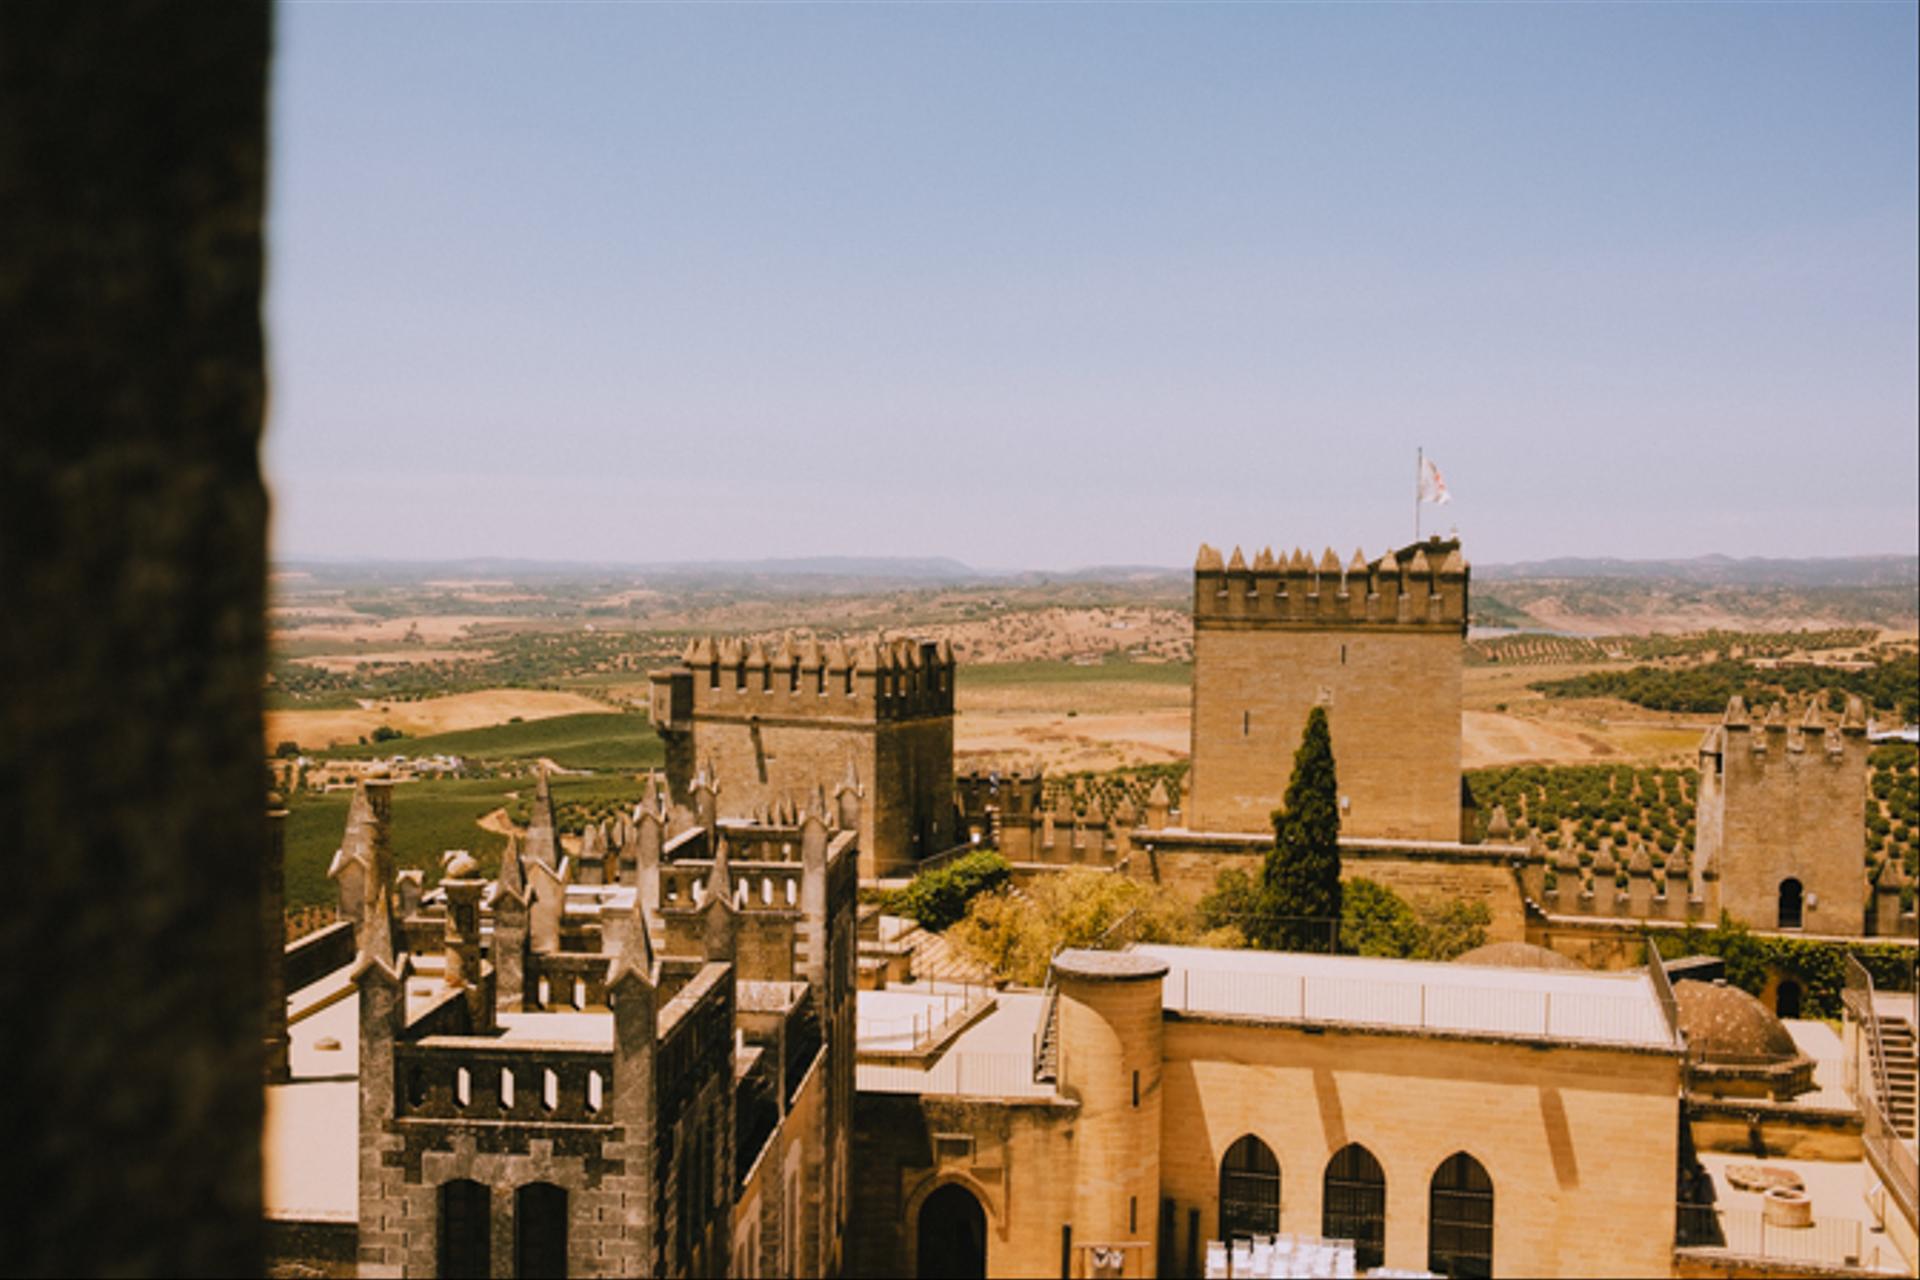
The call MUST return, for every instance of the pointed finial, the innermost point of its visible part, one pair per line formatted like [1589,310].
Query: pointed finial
[1208,561]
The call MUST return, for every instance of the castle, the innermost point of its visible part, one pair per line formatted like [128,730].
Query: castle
[776,725]
[636,1061]
[656,1052]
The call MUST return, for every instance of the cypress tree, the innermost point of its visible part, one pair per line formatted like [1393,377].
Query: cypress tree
[1300,883]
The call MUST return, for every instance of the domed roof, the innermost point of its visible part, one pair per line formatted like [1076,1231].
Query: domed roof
[1725,1022]
[1516,955]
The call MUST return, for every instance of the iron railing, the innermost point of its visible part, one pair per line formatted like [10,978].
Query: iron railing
[1746,1233]
[1623,1019]
[1890,1155]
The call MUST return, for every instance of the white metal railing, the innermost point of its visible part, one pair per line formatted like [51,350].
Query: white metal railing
[1560,1015]
[1746,1233]
[944,1010]
[1889,1154]
[980,1075]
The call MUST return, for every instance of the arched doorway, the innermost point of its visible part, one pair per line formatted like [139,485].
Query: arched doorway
[540,1232]
[1790,903]
[1354,1197]
[1249,1190]
[466,1230]
[1786,999]
[952,1236]
[1460,1218]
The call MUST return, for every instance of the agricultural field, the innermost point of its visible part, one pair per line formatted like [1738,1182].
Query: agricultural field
[1590,809]
[317,729]
[432,816]
[616,741]
[1890,686]
[1533,648]
[1066,717]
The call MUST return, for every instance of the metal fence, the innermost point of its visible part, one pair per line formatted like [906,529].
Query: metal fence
[1891,1155]
[980,1075]
[1479,1010]
[944,1011]
[1746,1233]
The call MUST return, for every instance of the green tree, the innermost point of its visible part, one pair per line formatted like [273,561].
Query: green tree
[939,897]
[1299,907]
[287,749]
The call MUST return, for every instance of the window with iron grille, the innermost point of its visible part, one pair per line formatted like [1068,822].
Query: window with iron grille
[1249,1190]
[1355,1204]
[1460,1219]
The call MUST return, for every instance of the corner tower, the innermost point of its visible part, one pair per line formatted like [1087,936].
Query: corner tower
[1378,643]
[1782,817]
[872,722]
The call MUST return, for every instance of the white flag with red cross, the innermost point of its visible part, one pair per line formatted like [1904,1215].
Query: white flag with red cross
[1433,486]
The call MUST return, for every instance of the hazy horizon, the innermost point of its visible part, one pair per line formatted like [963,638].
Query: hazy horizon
[1088,285]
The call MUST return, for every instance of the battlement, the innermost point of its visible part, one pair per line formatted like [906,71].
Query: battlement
[1421,586]
[1776,731]
[874,681]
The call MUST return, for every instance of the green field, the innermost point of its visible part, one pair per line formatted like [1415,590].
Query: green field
[428,817]
[1004,674]
[592,740]
[432,816]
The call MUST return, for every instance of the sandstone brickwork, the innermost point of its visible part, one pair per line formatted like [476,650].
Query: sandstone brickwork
[806,718]
[1781,802]
[1377,643]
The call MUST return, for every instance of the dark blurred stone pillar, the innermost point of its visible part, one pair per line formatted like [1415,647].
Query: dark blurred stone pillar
[132,574]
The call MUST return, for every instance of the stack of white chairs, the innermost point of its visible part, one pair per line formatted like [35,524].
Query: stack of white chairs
[1216,1260]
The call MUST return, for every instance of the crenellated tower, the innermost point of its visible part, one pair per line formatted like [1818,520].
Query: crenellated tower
[873,719]
[1376,642]
[1782,816]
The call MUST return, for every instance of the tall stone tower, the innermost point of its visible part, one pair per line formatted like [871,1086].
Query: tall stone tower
[1378,643]
[1782,817]
[774,728]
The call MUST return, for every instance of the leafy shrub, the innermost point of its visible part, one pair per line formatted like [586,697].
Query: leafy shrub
[939,898]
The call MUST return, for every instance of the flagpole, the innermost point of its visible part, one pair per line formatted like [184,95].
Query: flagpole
[1419,464]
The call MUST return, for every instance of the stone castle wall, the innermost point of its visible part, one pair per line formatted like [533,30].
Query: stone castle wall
[1377,644]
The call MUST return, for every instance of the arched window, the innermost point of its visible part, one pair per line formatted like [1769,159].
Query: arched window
[1790,896]
[1355,1204]
[1460,1218]
[540,1232]
[952,1235]
[1249,1190]
[466,1234]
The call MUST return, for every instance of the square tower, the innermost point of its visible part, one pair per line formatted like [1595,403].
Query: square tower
[809,717]
[1782,817]
[1378,643]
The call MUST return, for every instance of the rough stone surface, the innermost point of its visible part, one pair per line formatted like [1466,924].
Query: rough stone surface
[133,535]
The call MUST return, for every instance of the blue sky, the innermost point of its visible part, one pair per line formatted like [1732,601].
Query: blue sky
[1054,285]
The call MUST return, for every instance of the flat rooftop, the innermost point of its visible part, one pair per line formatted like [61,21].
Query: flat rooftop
[1615,1009]
[1843,1233]
[992,1058]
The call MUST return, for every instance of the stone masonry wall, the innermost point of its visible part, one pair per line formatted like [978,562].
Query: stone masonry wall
[1794,809]
[1393,704]
[1581,1144]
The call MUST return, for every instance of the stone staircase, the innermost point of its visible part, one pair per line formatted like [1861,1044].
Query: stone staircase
[1902,1057]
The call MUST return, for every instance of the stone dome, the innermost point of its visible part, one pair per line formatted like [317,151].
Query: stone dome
[1725,1023]
[1516,955]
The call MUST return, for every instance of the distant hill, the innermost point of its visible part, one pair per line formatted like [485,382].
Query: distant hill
[1716,570]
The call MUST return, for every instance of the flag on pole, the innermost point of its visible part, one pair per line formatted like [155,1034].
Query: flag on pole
[1433,486]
